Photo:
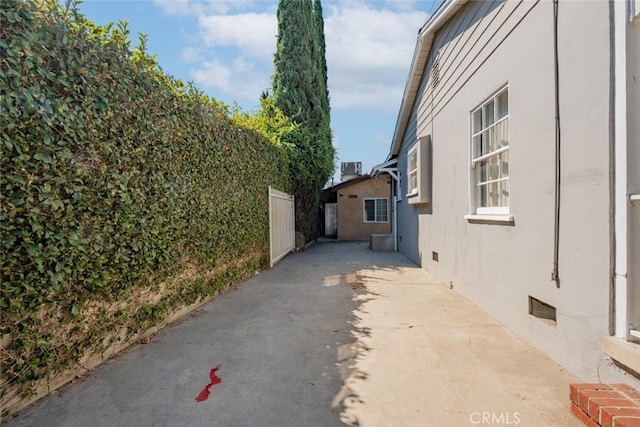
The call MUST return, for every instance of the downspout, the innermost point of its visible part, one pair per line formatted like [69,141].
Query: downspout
[556,74]
[620,168]
[612,174]
[395,213]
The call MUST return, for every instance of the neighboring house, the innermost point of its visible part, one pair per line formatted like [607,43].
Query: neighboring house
[518,170]
[359,208]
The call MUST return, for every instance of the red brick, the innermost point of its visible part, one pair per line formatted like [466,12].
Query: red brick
[583,417]
[626,422]
[576,387]
[596,404]
[607,415]
[592,386]
[621,387]
[632,394]
[585,395]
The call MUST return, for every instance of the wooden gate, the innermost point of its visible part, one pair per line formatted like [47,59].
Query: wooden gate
[281,224]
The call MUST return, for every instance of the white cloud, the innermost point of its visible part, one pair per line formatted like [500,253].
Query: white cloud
[179,7]
[369,52]
[231,54]
[198,8]
[239,80]
[369,47]
[252,33]
[213,74]
[191,54]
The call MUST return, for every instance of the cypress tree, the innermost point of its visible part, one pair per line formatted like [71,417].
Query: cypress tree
[293,76]
[321,59]
[299,89]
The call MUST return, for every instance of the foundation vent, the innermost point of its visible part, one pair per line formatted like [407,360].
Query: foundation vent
[542,310]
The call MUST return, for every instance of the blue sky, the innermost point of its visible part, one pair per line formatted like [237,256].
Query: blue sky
[227,47]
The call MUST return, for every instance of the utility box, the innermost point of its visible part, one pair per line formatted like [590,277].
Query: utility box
[381,242]
[350,170]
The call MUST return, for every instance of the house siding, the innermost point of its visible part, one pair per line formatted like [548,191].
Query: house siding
[351,225]
[482,48]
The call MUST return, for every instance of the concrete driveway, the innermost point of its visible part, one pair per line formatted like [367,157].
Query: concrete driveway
[335,335]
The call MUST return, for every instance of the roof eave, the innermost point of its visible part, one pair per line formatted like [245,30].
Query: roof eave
[418,64]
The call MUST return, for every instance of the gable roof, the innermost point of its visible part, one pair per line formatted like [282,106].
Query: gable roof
[421,54]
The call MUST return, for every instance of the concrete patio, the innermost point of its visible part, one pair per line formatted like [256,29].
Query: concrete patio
[334,335]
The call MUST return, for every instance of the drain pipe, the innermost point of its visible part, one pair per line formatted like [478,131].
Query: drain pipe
[396,184]
[620,141]
[556,240]
[394,198]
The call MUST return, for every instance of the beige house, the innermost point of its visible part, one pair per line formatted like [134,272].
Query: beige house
[517,157]
[359,207]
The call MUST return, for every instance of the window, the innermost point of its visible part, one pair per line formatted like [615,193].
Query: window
[490,155]
[412,171]
[419,171]
[375,210]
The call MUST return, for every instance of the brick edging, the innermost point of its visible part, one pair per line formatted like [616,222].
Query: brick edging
[605,405]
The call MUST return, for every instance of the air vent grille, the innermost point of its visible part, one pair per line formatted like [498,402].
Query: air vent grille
[435,72]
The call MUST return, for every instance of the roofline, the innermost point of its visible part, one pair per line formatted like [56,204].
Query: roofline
[390,167]
[418,63]
[349,182]
[387,163]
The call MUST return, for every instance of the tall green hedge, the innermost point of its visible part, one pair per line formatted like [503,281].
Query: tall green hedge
[114,177]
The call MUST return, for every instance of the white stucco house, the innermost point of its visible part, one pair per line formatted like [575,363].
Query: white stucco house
[516,158]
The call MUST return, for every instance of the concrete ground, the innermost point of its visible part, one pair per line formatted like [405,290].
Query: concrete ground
[335,335]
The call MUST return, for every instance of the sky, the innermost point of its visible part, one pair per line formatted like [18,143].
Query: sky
[226,48]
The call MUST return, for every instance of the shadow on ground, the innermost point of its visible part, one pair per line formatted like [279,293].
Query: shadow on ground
[286,342]
[335,335]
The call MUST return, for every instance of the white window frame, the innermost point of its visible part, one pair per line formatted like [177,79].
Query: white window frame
[412,171]
[634,11]
[376,213]
[482,134]
[418,169]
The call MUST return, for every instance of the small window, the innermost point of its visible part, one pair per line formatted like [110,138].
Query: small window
[375,210]
[490,155]
[412,171]
[419,171]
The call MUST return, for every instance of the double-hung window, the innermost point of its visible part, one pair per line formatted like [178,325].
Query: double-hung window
[490,155]
[412,171]
[375,210]
[419,171]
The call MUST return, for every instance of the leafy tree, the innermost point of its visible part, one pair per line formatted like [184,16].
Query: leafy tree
[269,121]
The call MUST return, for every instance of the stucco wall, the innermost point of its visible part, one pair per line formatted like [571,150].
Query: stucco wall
[351,225]
[499,266]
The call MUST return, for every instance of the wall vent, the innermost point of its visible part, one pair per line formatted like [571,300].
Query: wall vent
[435,72]
[542,311]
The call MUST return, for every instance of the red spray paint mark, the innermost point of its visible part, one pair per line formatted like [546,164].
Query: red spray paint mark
[204,394]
